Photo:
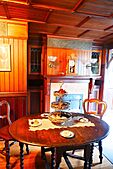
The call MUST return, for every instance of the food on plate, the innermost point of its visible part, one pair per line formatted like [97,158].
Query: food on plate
[60,92]
[84,120]
[57,117]
[34,122]
[60,105]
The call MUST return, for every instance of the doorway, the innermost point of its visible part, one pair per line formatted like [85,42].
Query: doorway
[108,117]
[108,90]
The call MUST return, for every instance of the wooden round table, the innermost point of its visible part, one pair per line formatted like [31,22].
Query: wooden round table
[52,138]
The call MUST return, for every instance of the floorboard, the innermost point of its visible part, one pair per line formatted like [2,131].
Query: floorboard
[34,161]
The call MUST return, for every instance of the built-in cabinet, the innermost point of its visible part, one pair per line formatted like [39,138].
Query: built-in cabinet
[47,65]
[35,80]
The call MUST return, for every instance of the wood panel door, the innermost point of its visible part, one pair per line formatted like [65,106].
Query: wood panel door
[35,101]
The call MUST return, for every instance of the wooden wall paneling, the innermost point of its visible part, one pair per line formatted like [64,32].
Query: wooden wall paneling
[2,81]
[64,65]
[6,74]
[58,64]
[60,61]
[15,64]
[17,30]
[49,53]
[1,73]
[18,103]
[24,62]
[6,82]
[63,56]
[21,104]
[20,66]
[82,59]
[16,79]
[67,54]
[11,74]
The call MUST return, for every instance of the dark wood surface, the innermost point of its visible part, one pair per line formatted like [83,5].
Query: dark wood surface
[83,135]
[52,138]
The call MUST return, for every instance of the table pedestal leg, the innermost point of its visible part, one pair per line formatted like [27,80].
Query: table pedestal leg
[88,156]
[56,158]
[100,151]
[21,155]
[7,147]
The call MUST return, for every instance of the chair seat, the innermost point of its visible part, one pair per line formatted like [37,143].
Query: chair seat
[4,133]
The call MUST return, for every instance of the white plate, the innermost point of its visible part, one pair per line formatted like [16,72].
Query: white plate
[67,134]
[45,115]
[84,120]
[35,122]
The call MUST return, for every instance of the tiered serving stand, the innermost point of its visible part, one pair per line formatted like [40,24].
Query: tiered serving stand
[60,105]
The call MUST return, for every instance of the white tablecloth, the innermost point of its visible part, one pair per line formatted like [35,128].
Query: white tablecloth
[47,124]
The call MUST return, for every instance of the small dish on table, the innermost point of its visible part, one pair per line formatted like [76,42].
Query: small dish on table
[67,134]
[84,120]
[35,122]
[45,115]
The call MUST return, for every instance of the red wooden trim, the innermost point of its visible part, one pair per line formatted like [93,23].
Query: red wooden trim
[83,33]
[110,34]
[6,10]
[108,28]
[84,21]
[12,94]
[57,29]
[77,5]
[48,15]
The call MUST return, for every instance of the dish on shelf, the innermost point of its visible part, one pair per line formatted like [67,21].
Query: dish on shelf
[60,105]
[35,122]
[58,117]
[67,134]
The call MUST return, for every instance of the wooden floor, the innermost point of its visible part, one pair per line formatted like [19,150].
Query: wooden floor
[33,160]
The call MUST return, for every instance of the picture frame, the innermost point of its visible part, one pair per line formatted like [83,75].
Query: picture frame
[5,58]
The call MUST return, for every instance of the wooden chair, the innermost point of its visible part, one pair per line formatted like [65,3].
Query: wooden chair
[97,108]
[94,107]
[4,131]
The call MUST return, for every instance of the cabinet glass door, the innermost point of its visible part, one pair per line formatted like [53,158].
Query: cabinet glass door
[35,60]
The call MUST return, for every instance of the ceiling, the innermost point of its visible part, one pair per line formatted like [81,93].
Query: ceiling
[90,20]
